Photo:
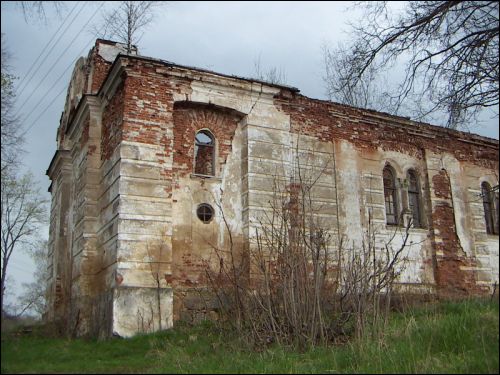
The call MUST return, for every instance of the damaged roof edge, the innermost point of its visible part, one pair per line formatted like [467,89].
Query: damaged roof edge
[369,112]
[408,121]
[169,63]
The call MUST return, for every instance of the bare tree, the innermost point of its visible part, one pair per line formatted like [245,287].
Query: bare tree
[33,298]
[23,210]
[364,93]
[449,50]
[272,75]
[11,138]
[36,10]
[126,21]
[157,251]
[280,291]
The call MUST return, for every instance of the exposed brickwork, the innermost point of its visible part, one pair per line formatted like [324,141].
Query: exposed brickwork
[59,295]
[451,277]
[112,120]
[157,108]
[188,120]
[148,108]
[204,160]
[100,71]
[60,134]
[148,105]
[85,132]
[331,121]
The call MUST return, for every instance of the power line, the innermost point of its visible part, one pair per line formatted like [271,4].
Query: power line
[45,48]
[21,269]
[59,78]
[45,110]
[59,93]
[64,87]
[44,59]
[51,68]
[53,65]
[57,81]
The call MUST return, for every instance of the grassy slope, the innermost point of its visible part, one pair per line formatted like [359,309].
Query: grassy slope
[445,338]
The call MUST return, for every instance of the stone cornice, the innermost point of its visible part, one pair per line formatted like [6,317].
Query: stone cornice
[88,102]
[60,159]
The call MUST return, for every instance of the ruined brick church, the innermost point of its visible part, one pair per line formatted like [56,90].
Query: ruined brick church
[146,148]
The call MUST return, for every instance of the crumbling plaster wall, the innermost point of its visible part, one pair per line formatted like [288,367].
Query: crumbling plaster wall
[127,204]
[76,187]
[59,278]
[445,254]
[195,243]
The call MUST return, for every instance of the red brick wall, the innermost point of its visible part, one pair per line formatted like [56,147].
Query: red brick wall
[148,99]
[100,71]
[205,160]
[188,120]
[148,108]
[142,110]
[330,121]
[112,120]
[85,132]
[450,256]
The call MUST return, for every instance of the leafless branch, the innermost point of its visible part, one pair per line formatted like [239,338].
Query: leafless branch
[450,53]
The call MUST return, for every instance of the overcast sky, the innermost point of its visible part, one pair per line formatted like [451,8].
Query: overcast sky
[227,37]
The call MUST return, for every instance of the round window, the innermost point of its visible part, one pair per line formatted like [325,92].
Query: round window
[205,212]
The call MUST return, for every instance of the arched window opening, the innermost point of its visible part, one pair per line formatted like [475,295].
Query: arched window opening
[414,199]
[204,153]
[489,208]
[391,210]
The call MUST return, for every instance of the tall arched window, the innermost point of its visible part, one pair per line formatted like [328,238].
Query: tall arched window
[204,153]
[391,210]
[489,208]
[414,199]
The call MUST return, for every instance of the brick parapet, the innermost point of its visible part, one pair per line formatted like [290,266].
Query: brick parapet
[371,130]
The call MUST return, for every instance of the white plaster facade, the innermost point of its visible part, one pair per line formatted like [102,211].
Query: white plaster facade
[124,232]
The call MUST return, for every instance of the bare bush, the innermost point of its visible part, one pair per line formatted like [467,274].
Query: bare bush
[273,75]
[368,276]
[151,316]
[295,284]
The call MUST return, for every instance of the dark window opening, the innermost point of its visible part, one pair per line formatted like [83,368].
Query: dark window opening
[414,199]
[391,210]
[204,153]
[205,213]
[489,208]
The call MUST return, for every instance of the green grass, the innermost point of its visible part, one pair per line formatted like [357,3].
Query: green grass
[442,338]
